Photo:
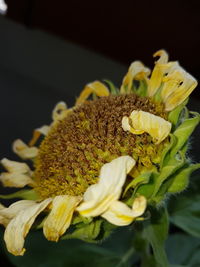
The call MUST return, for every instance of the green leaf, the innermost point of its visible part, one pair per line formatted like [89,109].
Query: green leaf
[174,115]
[181,179]
[184,131]
[189,252]
[185,214]
[156,232]
[23,194]
[166,150]
[142,89]
[88,232]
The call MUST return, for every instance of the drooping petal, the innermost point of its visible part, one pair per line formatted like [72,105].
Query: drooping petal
[177,86]
[16,180]
[14,166]
[136,71]
[95,87]
[120,214]
[98,197]
[24,151]
[20,225]
[162,66]
[143,121]
[60,216]
[37,132]
[18,175]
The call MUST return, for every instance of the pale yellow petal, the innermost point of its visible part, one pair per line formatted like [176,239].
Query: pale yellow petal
[37,132]
[16,180]
[136,71]
[14,166]
[98,197]
[20,225]
[120,214]
[155,126]
[95,87]
[60,216]
[60,111]
[24,151]
[178,85]
[163,56]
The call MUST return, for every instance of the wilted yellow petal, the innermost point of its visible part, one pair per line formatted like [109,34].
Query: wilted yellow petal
[95,87]
[37,132]
[60,216]
[60,111]
[98,197]
[163,56]
[143,121]
[18,174]
[177,86]
[120,214]
[24,151]
[20,225]
[136,71]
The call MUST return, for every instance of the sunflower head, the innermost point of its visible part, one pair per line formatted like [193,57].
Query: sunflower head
[105,160]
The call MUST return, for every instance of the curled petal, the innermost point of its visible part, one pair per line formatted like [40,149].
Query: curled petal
[95,87]
[37,132]
[98,197]
[60,111]
[136,71]
[154,125]
[20,225]
[120,214]
[14,166]
[178,85]
[163,56]
[60,216]
[16,180]
[24,151]
[18,175]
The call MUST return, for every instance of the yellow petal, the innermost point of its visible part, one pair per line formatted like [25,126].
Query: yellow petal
[98,197]
[60,111]
[162,66]
[136,71]
[120,214]
[20,225]
[60,216]
[16,180]
[18,175]
[154,125]
[178,85]
[95,87]
[14,166]
[24,151]
[37,132]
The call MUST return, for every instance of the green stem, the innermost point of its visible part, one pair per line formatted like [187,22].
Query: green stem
[126,256]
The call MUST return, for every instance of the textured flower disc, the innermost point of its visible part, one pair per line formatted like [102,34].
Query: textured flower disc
[71,155]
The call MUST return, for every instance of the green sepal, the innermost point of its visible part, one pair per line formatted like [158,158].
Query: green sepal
[174,115]
[184,131]
[156,232]
[141,179]
[23,194]
[86,232]
[172,166]
[113,89]
[166,150]
[181,179]
[142,89]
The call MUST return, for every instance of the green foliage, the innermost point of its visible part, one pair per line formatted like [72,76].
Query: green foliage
[28,194]
[156,232]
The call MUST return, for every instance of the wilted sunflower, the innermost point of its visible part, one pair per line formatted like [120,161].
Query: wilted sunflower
[106,160]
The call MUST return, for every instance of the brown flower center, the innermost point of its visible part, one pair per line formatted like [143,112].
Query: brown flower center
[71,155]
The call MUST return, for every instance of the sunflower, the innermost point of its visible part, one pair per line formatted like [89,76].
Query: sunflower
[105,160]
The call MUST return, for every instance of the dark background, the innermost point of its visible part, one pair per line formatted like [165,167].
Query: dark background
[50,49]
[122,30]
